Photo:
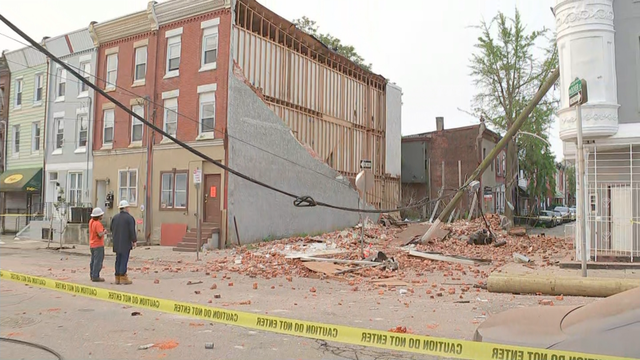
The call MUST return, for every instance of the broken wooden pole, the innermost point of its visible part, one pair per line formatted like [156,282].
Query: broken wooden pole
[473,206]
[553,285]
[508,136]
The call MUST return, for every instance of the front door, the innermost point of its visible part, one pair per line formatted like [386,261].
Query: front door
[212,192]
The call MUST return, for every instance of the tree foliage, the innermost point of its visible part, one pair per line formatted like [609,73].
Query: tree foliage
[309,26]
[508,68]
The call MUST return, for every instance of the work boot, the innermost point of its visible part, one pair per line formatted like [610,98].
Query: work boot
[117,279]
[98,279]
[124,280]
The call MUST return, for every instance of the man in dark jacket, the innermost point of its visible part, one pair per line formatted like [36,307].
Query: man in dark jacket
[123,232]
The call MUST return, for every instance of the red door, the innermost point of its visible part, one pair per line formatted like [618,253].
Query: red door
[212,191]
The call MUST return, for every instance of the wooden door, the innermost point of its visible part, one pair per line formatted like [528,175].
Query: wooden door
[212,192]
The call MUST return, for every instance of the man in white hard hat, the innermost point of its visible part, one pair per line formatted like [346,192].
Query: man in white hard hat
[123,230]
[96,244]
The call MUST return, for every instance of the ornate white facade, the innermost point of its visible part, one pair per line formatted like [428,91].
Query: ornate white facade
[586,45]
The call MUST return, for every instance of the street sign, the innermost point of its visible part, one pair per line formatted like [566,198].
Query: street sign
[578,92]
[197,176]
[365,164]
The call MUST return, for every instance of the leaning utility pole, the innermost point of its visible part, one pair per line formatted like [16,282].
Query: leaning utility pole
[494,153]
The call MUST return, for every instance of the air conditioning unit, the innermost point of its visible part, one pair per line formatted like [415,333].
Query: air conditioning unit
[76,215]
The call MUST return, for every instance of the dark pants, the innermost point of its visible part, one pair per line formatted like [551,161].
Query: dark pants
[122,259]
[97,256]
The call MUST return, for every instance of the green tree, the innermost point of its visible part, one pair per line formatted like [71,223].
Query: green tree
[507,72]
[570,175]
[309,26]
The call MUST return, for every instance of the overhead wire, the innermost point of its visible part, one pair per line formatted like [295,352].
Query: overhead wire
[33,345]
[299,201]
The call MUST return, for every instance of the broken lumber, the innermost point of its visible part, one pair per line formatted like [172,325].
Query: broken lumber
[513,130]
[568,286]
[339,261]
[518,231]
[448,258]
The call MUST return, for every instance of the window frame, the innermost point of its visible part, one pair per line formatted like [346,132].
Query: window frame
[15,140]
[202,101]
[207,33]
[85,68]
[108,85]
[128,187]
[38,84]
[136,64]
[58,134]
[167,108]
[104,126]
[36,135]
[79,188]
[174,174]
[19,85]
[79,131]
[136,122]
[175,40]
[61,83]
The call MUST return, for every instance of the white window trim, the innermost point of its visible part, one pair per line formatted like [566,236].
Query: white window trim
[165,115]
[120,171]
[81,149]
[15,93]
[209,25]
[14,129]
[81,185]
[58,116]
[63,75]
[207,88]
[140,82]
[33,137]
[108,86]
[211,134]
[35,88]
[136,143]
[173,32]
[172,73]
[84,94]
[108,145]
[173,190]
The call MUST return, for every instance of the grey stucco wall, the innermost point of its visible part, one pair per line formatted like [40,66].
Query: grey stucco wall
[627,26]
[260,212]
[413,162]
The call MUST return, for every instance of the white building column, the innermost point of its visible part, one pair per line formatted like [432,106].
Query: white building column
[586,46]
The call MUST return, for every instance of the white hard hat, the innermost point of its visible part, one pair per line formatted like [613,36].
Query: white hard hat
[97,212]
[123,204]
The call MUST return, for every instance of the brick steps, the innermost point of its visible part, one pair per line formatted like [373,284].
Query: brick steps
[189,242]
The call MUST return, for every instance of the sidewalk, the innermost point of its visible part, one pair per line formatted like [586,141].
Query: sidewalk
[152,252]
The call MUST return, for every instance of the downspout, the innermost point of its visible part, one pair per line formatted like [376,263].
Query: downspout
[43,133]
[233,5]
[87,146]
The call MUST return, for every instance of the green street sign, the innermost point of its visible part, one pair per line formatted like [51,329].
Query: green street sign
[578,92]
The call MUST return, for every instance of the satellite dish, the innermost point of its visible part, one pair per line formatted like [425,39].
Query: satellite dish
[365,180]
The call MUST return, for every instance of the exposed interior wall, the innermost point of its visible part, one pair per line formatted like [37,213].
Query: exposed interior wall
[393,134]
[262,213]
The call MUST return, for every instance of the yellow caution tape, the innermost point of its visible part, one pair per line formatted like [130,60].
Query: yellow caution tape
[448,348]
[21,215]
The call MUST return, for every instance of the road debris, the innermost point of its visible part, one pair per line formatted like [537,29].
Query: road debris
[193,282]
[519,258]
[136,313]
[145,347]
[208,345]
[448,258]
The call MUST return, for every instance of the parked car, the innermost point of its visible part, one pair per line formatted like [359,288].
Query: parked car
[572,210]
[608,327]
[545,218]
[566,213]
[559,217]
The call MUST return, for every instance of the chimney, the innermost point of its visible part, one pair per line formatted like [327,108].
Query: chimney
[439,123]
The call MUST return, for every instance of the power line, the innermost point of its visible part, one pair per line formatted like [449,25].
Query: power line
[299,201]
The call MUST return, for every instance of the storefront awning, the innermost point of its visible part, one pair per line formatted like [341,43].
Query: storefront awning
[22,180]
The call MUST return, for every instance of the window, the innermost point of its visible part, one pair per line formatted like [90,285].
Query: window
[504,164]
[16,140]
[61,77]
[75,189]
[128,185]
[141,64]
[39,84]
[112,71]
[35,137]
[171,116]
[85,71]
[173,192]
[83,125]
[593,203]
[19,89]
[209,46]
[59,127]
[136,125]
[207,112]
[108,124]
[173,53]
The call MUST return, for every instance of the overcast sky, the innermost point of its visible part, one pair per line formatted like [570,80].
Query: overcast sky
[423,46]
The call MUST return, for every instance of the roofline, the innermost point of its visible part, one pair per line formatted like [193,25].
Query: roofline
[429,134]
[65,34]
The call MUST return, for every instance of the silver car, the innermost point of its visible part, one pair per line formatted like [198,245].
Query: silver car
[565,213]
